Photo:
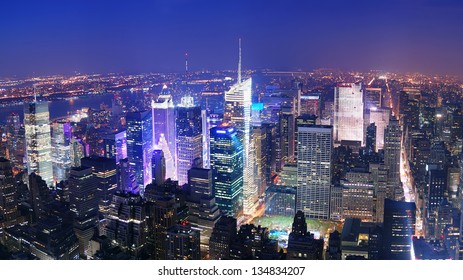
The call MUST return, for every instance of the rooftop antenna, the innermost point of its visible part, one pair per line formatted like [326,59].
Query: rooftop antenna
[186,74]
[239,62]
[186,65]
[35,94]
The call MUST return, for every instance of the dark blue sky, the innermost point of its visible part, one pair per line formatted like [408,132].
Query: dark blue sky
[48,37]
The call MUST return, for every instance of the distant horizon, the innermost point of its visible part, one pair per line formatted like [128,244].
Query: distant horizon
[198,71]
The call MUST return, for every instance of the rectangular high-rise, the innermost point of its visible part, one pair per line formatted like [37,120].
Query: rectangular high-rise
[392,149]
[380,117]
[61,149]
[399,228]
[348,112]
[38,140]
[140,146]
[189,139]
[314,146]
[227,170]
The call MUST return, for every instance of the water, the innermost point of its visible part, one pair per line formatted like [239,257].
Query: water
[60,108]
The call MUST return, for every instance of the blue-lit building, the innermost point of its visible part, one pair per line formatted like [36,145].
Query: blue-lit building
[227,169]
[115,145]
[140,146]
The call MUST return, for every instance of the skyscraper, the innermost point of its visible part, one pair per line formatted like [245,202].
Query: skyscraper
[348,112]
[164,130]
[373,98]
[140,147]
[105,180]
[399,228]
[127,222]
[370,142]
[115,145]
[392,145]
[77,152]
[314,146]
[61,150]
[223,233]
[84,204]
[287,126]
[206,139]
[159,167]
[227,169]
[238,102]
[203,209]
[125,177]
[310,104]
[189,138]
[9,214]
[238,113]
[38,140]
[380,116]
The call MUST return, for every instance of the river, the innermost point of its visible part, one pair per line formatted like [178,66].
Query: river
[60,108]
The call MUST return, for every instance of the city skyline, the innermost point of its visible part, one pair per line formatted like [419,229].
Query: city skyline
[149,36]
[192,163]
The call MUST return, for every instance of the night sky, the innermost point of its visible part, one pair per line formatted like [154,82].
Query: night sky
[51,37]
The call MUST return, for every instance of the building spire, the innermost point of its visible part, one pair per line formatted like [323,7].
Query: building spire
[186,65]
[239,62]
[35,93]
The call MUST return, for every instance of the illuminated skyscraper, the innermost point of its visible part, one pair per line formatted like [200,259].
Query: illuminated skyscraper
[115,145]
[238,113]
[206,139]
[380,116]
[370,142]
[38,140]
[314,146]
[16,141]
[61,148]
[310,104]
[348,112]
[140,147]
[189,138]
[77,152]
[238,102]
[164,130]
[9,214]
[392,143]
[125,177]
[227,169]
[373,98]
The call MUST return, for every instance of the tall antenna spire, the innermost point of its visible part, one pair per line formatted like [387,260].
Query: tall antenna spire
[239,62]
[186,74]
[186,64]
[35,94]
